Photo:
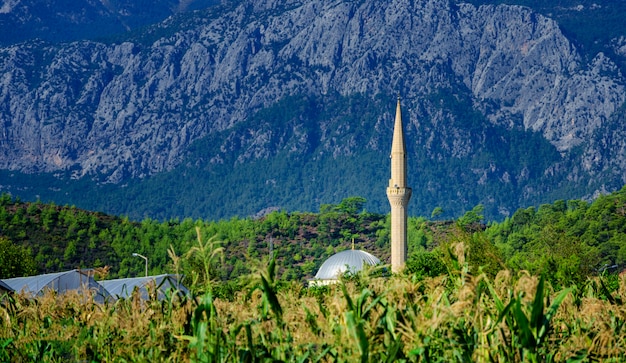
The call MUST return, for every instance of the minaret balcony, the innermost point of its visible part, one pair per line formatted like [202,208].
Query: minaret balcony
[399,196]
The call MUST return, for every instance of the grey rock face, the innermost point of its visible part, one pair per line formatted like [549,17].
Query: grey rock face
[130,109]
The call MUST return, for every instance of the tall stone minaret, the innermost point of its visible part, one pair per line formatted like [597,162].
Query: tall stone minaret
[398,194]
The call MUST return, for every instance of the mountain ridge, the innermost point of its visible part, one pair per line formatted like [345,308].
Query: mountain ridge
[131,109]
[59,21]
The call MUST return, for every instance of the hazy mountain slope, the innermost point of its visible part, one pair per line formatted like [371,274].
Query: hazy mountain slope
[129,109]
[70,20]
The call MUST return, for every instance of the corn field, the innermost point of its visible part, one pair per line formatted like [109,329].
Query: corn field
[454,318]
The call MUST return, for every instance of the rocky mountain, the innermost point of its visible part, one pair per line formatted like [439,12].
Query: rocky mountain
[268,104]
[70,20]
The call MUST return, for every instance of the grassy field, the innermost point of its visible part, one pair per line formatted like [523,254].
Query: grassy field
[457,317]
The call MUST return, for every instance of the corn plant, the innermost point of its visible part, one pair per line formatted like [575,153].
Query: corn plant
[203,257]
[355,318]
[454,318]
[207,340]
[530,329]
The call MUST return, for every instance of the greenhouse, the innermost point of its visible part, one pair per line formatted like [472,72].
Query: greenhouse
[4,287]
[146,286]
[60,282]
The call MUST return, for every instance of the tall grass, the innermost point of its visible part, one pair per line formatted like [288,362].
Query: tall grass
[455,318]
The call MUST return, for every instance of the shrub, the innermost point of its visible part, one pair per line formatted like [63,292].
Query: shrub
[426,264]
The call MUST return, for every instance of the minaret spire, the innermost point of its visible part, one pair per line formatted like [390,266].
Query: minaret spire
[398,194]
[398,151]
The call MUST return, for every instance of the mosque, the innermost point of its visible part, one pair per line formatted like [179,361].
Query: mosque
[399,195]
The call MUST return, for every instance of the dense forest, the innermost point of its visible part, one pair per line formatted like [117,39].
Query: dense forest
[566,240]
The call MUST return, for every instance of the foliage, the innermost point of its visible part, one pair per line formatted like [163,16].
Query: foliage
[15,261]
[458,317]
[484,257]
[426,264]
[467,294]
[567,241]
[203,261]
[351,205]
[472,217]
[530,329]
[64,237]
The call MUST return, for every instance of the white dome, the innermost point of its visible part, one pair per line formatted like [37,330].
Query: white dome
[344,261]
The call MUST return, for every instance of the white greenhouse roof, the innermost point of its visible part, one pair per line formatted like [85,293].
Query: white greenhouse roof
[60,282]
[123,288]
[346,261]
[4,287]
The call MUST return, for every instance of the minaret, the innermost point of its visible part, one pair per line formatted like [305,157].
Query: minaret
[398,194]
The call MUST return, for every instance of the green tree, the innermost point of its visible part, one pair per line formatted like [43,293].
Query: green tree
[472,217]
[5,199]
[483,256]
[426,264]
[351,205]
[15,261]
[436,212]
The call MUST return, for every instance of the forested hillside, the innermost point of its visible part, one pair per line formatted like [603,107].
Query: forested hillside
[528,287]
[567,240]
[262,163]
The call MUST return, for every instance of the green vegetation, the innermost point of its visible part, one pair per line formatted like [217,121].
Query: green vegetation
[15,260]
[568,241]
[541,286]
[63,238]
[455,317]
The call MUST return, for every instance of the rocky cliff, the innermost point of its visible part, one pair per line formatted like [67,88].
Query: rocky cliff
[131,108]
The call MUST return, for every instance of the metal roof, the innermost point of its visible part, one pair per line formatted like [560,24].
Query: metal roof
[345,261]
[60,282]
[4,287]
[123,288]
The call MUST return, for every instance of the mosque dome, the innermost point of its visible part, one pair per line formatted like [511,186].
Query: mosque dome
[345,261]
